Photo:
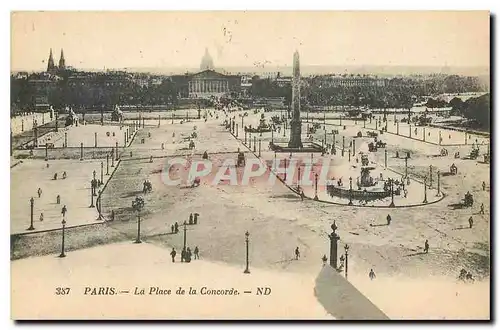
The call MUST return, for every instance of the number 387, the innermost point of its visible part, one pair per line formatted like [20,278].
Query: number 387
[62,291]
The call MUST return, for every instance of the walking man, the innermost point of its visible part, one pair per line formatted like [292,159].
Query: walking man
[191,219]
[389,219]
[471,222]
[196,253]
[372,275]
[41,216]
[176,227]
[481,211]
[173,254]
[58,199]
[39,192]
[297,253]
[426,246]
[484,186]
[324,259]
[172,229]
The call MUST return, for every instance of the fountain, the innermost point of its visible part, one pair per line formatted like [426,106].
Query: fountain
[368,188]
[262,128]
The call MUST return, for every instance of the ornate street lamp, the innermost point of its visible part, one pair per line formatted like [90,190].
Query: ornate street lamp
[392,193]
[425,191]
[185,234]
[247,270]
[346,248]
[316,186]
[63,254]
[32,202]
[350,191]
[138,205]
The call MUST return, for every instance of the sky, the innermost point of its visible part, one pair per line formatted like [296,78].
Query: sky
[100,40]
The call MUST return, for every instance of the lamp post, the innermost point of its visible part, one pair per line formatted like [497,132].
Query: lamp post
[254,143]
[107,164]
[316,186]
[98,205]
[298,180]
[138,205]
[334,238]
[32,202]
[247,270]
[350,191]
[438,184]
[95,139]
[81,150]
[185,231]
[245,137]
[63,254]
[260,141]
[430,176]
[385,157]
[117,157]
[392,193]
[425,190]
[102,172]
[346,248]
[284,175]
[92,193]
[250,140]
[406,166]
[343,145]
[397,128]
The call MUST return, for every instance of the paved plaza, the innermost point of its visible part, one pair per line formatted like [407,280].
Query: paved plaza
[275,216]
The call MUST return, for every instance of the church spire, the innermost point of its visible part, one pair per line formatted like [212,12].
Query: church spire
[50,64]
[62,61]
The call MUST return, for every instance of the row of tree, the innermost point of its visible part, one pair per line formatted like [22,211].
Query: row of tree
[476,109]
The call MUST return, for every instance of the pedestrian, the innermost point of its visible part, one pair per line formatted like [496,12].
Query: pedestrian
[64,175]
[58,199]
[196,253]
[55,176]
[64,210]
[302,195]
[195,221]
[426,246]
[172,229]
[176,227]
[41,216]
[191,219]
[173,254]
[372,275]
[481,211]
[389,219]
[39,192]
[188,255]
[112,215]
[484,186]
[297,253]
[324,259]
[183,254]
[471,222]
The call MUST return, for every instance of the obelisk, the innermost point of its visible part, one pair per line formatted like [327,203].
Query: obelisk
[295,123]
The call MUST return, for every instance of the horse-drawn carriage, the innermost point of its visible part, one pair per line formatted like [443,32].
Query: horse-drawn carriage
[371,134]
[468,200]
[453,169]
[474,153]
[147,187]
[380,144]
[191,145]
[372,147]
[444,152]
[241,159]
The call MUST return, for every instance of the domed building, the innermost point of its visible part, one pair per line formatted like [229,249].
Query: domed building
[207,83]
[207,63]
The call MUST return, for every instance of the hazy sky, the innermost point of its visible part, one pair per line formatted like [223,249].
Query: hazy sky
[178,39]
